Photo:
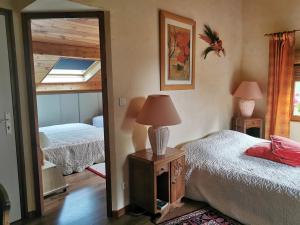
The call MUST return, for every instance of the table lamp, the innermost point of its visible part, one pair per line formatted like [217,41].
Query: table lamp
[158,112]
[248,92]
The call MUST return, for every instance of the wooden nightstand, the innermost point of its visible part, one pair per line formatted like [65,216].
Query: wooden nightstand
[155,177]
[250,126]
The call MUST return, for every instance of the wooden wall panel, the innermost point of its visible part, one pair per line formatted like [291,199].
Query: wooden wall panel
[93,85]
[44,48]
[43,64]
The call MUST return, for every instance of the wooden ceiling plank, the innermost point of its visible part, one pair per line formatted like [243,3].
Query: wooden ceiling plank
[66,50]
[65,30]
[74,31]
[65,24]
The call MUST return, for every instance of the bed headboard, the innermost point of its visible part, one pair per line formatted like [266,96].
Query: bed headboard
[68,108]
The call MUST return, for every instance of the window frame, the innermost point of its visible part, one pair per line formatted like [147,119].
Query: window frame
[296,78]
[89,72]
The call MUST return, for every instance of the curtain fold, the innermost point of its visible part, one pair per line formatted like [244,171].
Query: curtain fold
[281,72]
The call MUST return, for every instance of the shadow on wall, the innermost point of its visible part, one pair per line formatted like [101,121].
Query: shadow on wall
[138,132]
[260,104]
[235,81]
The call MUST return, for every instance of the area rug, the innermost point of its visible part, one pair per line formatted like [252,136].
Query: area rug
[98,169]
[206,216]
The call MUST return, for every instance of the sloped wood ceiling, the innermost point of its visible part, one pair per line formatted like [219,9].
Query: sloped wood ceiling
[75,31]
[70,37]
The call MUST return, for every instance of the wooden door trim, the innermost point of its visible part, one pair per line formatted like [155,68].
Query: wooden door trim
[26,18]
[16,108]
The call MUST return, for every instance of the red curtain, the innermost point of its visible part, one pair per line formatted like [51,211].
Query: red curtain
[281,66]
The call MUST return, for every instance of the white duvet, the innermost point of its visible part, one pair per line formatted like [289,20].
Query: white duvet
[252,190]
[74,146]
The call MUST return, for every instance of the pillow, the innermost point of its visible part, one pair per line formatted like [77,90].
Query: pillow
[264,150]
[285,148]
[98,121]
[44,141]
[285,143]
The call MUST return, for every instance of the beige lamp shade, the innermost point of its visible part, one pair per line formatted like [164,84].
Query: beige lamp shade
[248,90]
[158,110]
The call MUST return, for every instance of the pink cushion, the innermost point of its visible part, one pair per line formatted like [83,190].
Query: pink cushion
[264,150]
[285,148]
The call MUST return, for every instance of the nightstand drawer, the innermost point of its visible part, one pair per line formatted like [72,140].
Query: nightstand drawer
[162,168]
[253,123]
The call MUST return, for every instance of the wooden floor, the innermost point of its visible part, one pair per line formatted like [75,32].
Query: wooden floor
[85,204]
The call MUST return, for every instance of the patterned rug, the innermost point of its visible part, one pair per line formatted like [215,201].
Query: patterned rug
[206,216]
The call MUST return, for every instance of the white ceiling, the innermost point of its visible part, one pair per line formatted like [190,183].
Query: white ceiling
[56,5]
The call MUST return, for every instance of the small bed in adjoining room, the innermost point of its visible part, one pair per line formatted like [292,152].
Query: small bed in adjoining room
[73,146]
[252,190]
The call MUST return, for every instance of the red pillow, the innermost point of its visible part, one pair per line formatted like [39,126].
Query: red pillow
[286,143]
[264,150]
[285,148]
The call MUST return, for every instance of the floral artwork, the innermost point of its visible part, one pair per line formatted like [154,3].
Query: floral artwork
[177,42]
[179,53]
[297,99]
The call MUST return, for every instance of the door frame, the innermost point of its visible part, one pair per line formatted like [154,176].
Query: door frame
[16,108]
[31,87]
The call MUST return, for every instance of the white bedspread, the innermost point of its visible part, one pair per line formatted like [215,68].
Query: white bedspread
[74,146]
[252,190]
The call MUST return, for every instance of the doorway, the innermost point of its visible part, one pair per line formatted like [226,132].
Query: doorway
[68,105]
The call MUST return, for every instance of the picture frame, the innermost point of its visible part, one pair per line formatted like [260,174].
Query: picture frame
[177,52]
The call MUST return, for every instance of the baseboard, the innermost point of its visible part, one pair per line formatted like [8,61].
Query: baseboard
[120,212]
[28,216]
[32,214]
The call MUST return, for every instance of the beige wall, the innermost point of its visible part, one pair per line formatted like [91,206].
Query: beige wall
[135,73]
[260,17]
[134,41]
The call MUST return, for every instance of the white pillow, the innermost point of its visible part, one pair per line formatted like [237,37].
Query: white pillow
[98,121]
[44,141]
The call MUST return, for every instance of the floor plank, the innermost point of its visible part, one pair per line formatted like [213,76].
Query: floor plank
[84,203]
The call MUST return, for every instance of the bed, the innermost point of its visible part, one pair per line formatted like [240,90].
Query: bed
[73,146]
[251,190]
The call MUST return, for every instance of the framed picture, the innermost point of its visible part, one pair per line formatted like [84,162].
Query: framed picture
[177,52]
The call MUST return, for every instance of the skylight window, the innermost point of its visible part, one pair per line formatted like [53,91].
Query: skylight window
[70,70]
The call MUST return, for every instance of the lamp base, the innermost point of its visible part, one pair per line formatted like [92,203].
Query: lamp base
[246,107]
[159,137]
